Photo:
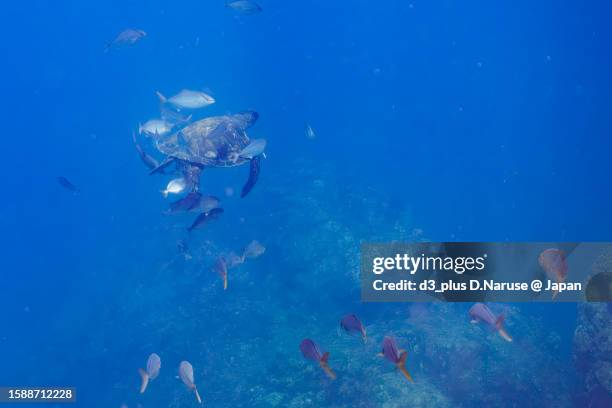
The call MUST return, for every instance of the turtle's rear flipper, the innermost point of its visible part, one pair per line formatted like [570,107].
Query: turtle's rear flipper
[253,176]
[162,165]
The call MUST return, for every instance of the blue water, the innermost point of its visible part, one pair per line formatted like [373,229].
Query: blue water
[437,120]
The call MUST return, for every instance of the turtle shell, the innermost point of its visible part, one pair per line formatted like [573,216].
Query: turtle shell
[211,142]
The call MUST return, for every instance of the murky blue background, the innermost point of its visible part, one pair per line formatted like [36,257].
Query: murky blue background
[438,120]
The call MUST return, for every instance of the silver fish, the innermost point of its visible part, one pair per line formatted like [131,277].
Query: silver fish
[247,7]
[309,132]
[175,186]
[149,161]
[206,204]
[155,127]
[187,99]
[126,37]
[255,148]
[205,218]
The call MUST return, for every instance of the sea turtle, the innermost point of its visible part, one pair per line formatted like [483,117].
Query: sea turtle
[211,142]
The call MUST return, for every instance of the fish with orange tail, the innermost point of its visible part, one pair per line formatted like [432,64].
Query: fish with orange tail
[553,262]
[395,355]
[481,313]
[311,351]
[151,372]
[186,375]
[220,268]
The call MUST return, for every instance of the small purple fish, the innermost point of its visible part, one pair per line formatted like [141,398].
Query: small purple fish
[396,356]
[390,350]
[151,373]
[253,250]
[553,262]
[205,217]
[186,375]
[481,313]
[352,325]
[311,351]
[64,182]
[220,268]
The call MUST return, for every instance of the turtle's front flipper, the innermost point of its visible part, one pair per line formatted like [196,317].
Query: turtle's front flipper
[253,176]
[163,165]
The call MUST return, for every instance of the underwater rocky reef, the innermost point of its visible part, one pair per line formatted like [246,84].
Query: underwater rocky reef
[593,354]
[243,342]
[593,346]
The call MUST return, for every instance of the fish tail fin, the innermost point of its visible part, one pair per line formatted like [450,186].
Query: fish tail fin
[140,128]
[406,374]
[162,98]
[402,366]
[225,282]
[325,357]
[160,167]
[499,323]
[144,380]
[197,394]
[364,335]
[330,373]
[504,334]
[325,366]
[254,170]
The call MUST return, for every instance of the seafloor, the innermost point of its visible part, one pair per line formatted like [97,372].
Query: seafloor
[243,342]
